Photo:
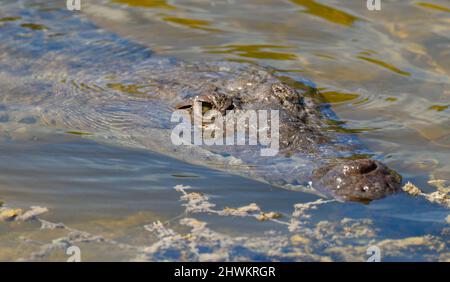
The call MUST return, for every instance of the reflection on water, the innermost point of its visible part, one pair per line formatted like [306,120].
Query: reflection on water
[386,75]
[326,12]
[131,89]
[162,4]
[433,6]
[338,97]
[33,26]
[9,19]
[191,23]
[384,65]
[439,108]
[259,51]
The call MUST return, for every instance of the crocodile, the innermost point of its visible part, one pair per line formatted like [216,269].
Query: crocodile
[59,70]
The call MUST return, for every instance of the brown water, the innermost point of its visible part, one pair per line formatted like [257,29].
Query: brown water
[386,73]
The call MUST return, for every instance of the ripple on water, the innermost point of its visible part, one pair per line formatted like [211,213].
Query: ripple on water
[327,12]
[191,23]
[34,26]
[384,65]
[161,4]
[433,6]
[386,75]
[10,19]
[255,51]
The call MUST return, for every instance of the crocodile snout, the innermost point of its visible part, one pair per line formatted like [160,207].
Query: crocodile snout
[361,180]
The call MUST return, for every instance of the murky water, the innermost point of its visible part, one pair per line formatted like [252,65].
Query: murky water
[386,73]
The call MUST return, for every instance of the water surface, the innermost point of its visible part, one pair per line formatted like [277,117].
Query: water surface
[385,73]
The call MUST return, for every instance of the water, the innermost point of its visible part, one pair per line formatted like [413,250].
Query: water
[386,74]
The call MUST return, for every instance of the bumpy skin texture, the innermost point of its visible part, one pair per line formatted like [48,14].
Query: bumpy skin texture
[302,130]
[360,180]
[75,76]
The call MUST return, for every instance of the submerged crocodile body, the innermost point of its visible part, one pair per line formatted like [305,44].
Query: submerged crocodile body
[57,69]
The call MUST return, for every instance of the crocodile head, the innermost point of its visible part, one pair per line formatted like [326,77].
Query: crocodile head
[303,131]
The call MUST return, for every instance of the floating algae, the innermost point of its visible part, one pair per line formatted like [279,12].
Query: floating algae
[185,238]
[11,214]
[440,196]
[345,239]
[198,203]
[7,214]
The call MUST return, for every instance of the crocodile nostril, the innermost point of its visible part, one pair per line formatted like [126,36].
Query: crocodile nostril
[368,167]
[361,180]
